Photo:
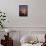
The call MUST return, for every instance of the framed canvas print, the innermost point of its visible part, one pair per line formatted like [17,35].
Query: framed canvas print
[23,10]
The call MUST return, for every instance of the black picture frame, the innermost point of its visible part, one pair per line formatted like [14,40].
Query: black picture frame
[23,10]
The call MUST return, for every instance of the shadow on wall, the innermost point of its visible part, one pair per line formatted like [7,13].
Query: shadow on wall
[16,43]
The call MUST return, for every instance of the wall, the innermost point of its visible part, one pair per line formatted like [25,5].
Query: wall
[37,19]
[34,22]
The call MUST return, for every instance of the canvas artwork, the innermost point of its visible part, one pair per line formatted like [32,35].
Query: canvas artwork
[23,10]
